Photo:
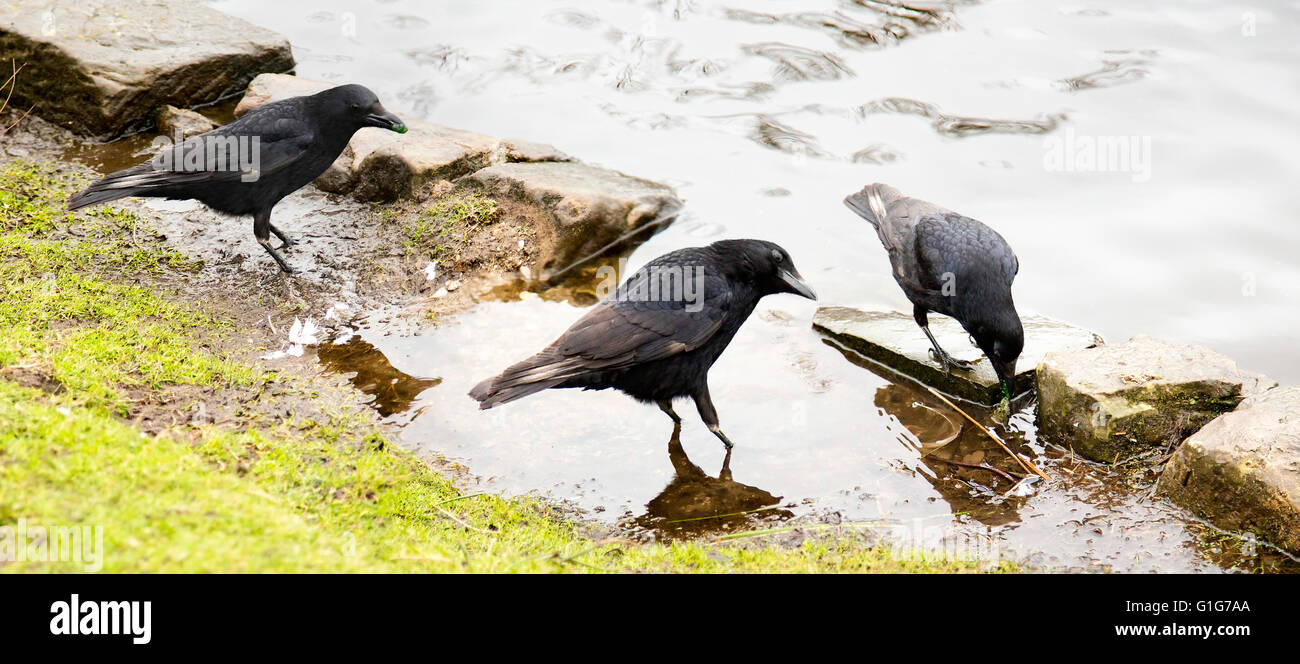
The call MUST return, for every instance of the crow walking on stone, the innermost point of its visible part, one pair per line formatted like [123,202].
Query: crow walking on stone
[953,265]
[247,166]
[655,342]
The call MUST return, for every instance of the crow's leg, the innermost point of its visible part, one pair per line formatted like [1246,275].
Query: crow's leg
[939,355]
[949,362]
[262,231]
[283,237]
[704,404]
[666,405]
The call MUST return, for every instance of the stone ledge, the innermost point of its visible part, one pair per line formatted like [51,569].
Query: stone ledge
[102,68]
[893,339]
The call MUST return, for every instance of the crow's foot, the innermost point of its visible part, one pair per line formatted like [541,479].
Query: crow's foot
[949,362]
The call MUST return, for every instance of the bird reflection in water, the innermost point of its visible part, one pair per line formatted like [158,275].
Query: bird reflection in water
[973,475]
[393,390]
[695,503]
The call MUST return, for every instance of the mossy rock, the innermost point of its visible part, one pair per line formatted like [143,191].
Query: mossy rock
[1112,402]
[1242,470]
[101,68]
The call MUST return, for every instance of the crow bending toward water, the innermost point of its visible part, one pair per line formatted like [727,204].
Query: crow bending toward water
[953,265]
[656,349]
[247,166]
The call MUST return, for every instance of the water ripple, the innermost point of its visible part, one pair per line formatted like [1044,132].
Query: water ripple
[1114,71]
[961,126]
[796,63]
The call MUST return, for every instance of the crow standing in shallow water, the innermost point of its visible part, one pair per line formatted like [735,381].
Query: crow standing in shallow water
[658,349]
[247,166]
[953,265]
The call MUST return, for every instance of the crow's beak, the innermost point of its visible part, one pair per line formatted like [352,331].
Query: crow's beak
[797,285]
[380,117]
[1007,376]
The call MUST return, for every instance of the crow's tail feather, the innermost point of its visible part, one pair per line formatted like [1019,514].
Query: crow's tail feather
[108,188]
[872,202]
[488,394]
[82,199]
[540,372]
[141,180]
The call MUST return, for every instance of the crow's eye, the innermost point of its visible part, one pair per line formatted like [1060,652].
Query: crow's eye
[355,107]
[778,256]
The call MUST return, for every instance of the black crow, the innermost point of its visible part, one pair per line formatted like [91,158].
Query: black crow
[657,335]
[953,265]
[247,166]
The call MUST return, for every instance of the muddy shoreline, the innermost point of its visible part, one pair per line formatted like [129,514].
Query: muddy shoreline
[365,281]
[362,278]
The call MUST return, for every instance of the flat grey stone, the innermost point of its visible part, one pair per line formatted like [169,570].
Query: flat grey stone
[893,339]
[1119,400]
[514,149]
[102,67]
[1242,470]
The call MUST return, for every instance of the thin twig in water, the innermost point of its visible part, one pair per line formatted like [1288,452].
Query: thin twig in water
[1024,463]
[980,466]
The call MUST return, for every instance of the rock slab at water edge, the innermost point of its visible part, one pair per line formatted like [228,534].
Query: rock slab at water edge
[1242,470]
[1115,401]
[893,339]
[102,68]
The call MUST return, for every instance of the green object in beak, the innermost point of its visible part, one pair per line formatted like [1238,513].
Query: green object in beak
[401,128]
[1006,390]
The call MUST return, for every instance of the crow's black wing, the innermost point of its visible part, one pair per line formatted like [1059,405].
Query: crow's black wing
[622,331]
[259,144]
[895,218]
[954,248]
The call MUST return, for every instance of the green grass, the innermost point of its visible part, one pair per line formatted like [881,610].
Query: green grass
[299,497]
[441,226]
[264,493]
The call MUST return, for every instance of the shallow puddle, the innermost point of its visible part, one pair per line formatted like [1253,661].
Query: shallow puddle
[821,438]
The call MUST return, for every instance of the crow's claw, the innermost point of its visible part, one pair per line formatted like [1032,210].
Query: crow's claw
[949,362]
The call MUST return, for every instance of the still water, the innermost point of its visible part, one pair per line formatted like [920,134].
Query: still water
[763,115]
